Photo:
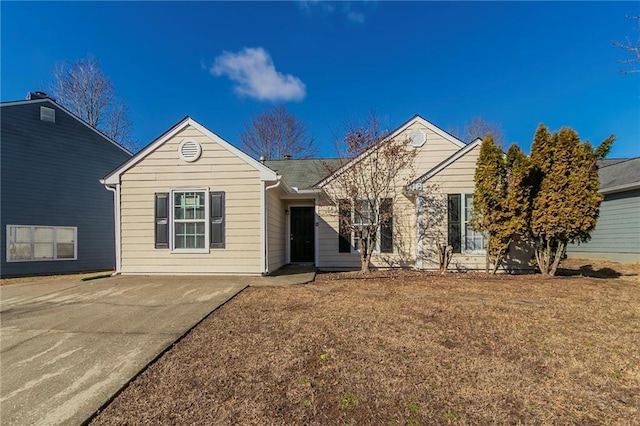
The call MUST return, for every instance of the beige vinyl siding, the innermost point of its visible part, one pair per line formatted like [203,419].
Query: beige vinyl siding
[217,169]
[458,178]
[276,229]
[435,150]
[403,239]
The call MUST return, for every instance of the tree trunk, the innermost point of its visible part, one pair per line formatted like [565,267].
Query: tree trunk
[558,256]
[365,260]
[540,256]
[501,255]
[488,259]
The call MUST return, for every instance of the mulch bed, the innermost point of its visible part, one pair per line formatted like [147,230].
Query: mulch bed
[403,348]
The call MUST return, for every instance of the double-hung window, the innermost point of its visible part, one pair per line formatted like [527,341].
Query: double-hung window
[362,215]
[354,218]
[461,237]
[39,243]
[189,221]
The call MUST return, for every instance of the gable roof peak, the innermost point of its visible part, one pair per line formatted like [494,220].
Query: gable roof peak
[114,177]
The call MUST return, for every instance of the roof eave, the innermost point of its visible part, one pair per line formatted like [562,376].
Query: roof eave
[620,188]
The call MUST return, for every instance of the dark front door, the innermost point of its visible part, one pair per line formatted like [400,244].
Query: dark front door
[302,238]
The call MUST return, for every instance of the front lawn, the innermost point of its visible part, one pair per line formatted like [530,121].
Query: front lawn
[404,348]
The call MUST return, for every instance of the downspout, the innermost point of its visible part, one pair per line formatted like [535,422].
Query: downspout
[266,223]
[419,232]
[116,215]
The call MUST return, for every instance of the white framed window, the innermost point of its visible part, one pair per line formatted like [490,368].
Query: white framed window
[190,220]
[189,224]
[461,237]
[353,220]
[34,243]
[362,216]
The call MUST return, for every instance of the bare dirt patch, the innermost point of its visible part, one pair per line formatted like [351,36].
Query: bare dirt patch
[403,348]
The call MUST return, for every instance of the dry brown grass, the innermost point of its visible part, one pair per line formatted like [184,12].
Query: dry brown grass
[37,279]
[404,348]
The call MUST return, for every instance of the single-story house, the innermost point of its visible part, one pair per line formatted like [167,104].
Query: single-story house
[192,203]
[55,216]
[617,233]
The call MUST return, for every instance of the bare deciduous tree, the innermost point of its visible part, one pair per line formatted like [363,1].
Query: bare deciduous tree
[478,128]
[276,132]
[632,63]
[366,189]
[83,88]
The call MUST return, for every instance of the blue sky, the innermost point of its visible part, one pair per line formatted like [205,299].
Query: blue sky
[514,63]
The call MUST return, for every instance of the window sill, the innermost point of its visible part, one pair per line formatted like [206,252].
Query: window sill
[39,260]
[190,251]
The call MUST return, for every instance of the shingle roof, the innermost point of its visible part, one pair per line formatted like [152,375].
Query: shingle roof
[622,173]
[305,173]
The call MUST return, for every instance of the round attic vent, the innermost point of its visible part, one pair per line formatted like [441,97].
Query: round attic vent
[189,150]
[418,137]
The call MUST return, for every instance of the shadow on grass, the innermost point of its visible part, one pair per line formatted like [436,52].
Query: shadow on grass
[589,271]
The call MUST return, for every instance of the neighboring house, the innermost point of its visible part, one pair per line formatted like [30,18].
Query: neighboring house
[191,203]
[55,216]
[617,233]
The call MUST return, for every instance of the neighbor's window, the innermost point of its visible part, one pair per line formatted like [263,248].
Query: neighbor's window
[459,211]
[39,243]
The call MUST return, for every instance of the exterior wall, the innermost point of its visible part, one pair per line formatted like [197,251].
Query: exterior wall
[276,229]
[617,234]
[434,151]
[457,178]
[217,169]
[404,217]
[50,176]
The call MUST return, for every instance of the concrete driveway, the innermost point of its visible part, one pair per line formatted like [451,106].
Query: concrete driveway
[67,346]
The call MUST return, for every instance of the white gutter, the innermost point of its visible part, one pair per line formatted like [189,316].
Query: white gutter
[265,240]
[116,225]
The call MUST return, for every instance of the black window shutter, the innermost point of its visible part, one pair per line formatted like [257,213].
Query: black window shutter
[453,221]
[216,231]
[162,220]
[344,226]
[386,225]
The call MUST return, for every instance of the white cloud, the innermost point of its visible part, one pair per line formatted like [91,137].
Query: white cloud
[254,74]
[322,5]
[356,17]
[326,8]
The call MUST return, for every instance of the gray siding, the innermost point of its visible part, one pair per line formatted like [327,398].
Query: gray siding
[617,234]
[50,176]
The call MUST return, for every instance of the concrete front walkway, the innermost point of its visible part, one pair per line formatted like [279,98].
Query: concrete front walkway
[67,346]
